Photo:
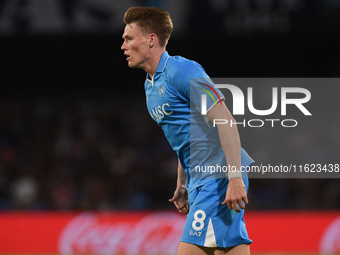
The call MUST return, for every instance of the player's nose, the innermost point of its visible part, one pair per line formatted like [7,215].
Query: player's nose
[123,47]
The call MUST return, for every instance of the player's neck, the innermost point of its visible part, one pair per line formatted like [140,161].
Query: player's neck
[154,61]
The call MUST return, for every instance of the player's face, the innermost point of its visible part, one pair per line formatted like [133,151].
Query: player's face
[135,46]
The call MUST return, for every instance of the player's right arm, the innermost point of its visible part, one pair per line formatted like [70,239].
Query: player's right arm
[180,197]
[236,195]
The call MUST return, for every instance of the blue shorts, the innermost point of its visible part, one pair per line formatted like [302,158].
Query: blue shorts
[211,224]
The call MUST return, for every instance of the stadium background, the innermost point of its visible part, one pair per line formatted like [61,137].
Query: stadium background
[75,134]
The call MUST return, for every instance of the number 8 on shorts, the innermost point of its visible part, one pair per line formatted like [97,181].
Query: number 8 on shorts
[198,223]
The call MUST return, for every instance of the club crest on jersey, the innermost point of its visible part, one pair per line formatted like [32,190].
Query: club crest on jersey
[161,90]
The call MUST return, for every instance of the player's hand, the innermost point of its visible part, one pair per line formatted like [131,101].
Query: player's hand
[236,194]
[180,200]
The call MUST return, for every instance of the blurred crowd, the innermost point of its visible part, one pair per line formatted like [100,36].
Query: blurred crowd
[81,153]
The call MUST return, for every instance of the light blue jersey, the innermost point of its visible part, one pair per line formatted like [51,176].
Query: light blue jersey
[174,101]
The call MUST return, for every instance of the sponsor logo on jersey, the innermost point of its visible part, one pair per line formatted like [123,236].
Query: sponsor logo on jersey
[159,112]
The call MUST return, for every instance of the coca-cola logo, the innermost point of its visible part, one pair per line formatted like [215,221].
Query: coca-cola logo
[330,241]
[155,233]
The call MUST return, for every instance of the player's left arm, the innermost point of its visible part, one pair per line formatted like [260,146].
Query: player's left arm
[236,193]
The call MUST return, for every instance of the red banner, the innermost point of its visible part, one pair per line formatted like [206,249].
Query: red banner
[159,232]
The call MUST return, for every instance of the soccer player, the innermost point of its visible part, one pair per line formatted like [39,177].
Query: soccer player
[184,102]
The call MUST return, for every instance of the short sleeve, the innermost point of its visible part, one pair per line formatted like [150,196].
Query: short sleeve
[192,82]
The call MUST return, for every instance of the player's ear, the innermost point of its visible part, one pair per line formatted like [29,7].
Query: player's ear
[153,39]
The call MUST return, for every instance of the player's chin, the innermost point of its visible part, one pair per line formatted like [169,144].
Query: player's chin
[131,65]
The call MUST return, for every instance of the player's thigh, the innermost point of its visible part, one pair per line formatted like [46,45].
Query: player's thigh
[242,249]
[192,249]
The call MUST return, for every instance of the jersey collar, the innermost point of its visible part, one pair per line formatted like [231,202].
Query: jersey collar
[161,65]
[162,62]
